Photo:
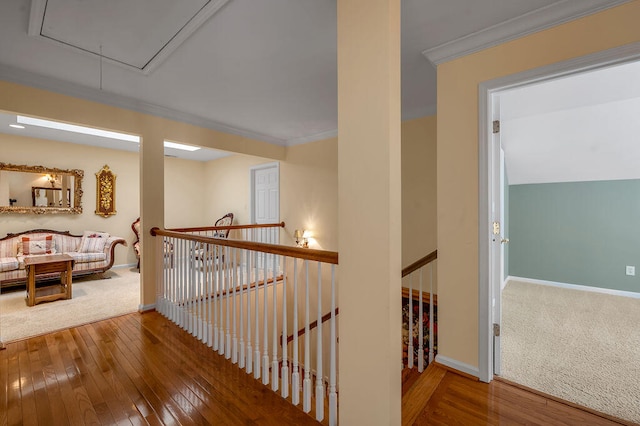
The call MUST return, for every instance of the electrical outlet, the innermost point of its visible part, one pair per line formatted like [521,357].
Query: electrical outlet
[631,270]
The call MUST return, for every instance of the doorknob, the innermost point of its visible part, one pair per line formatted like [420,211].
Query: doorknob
[504,240]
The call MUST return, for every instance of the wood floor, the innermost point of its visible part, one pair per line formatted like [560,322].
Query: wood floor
[451,399]
[142,369]
[135,369]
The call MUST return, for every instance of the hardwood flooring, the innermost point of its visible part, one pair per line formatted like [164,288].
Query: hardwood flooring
[135,369]
[142,369]
[458,400]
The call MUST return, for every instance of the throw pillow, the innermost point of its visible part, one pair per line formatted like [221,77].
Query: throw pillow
[93,242]
[37,245]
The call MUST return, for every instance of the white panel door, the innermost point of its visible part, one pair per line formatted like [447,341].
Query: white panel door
[265,182]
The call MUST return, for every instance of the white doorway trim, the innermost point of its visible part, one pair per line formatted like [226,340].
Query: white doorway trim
[486,259]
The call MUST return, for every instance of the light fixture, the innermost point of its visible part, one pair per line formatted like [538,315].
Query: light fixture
[16,126]
[52,179]
[183,147]
[302,238]
[77,129]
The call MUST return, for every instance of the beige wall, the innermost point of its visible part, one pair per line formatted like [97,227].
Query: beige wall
[419,224]
[185,192]
[227,186]
[309,192]
[457,178]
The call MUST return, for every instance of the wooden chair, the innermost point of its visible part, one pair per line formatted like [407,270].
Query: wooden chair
[135,226]
[225,220]
[202,254]
[168,247]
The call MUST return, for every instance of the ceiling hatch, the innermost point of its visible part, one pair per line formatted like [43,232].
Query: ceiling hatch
[137,34]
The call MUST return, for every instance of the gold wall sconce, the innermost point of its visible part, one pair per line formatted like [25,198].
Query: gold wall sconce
[302,238]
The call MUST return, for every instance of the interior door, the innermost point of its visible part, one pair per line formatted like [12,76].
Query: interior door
[265,181]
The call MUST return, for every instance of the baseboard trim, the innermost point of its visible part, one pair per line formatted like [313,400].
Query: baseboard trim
[612,292]
[457,365]
[124,265]
[146,308]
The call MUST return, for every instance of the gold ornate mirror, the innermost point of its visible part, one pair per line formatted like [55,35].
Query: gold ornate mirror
[40,190]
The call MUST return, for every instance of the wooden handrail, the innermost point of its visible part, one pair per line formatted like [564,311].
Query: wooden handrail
[297,252]
[312,325]
[220,228]
[420,263]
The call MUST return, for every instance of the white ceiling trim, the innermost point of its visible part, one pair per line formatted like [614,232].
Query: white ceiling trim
[313,138]
[19,76]
[36,17]
[534,21]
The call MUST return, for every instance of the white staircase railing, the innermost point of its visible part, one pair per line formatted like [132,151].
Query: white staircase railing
[240,297]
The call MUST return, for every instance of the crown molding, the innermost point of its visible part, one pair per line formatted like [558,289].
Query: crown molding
[534,21]
[410,115]
[312,138]
[36,18]
[19,76]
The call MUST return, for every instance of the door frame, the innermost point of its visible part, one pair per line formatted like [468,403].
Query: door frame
[252,183]
[487,261]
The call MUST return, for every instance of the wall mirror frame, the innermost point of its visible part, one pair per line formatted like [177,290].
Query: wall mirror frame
[75,174]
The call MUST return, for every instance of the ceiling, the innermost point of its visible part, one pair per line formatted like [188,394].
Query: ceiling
[264,70]
[582,127]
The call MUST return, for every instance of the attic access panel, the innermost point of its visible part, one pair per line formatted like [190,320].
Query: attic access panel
[137,34]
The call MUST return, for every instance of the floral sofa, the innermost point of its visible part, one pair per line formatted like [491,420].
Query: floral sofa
[92,252]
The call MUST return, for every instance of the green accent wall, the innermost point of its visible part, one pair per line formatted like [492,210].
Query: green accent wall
[582,233]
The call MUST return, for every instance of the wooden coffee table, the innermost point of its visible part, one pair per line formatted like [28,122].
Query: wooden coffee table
[36,265]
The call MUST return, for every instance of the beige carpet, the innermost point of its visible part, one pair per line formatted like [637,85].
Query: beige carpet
[580,346]
[93,299]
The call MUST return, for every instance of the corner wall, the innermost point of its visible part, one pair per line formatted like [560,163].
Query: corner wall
[457,155]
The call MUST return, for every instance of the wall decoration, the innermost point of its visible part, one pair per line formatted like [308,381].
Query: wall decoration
[105,192]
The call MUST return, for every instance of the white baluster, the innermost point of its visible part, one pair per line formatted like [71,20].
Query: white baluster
[198,299]
[221,289]
[210,298]
[190,301]
[431,301]
[420,330]
[216,290]
[241,355]
[234,336]
[227,352]
[319,378]
[306,383]
[410,302]
[285,365]
[183,289]
[249,362]
[333,394]
[274,351]
[256,354]
[265,325]
[295,375]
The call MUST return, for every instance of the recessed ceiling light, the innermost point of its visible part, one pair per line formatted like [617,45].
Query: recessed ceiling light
[16,126]
[183,147]
[77,129]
